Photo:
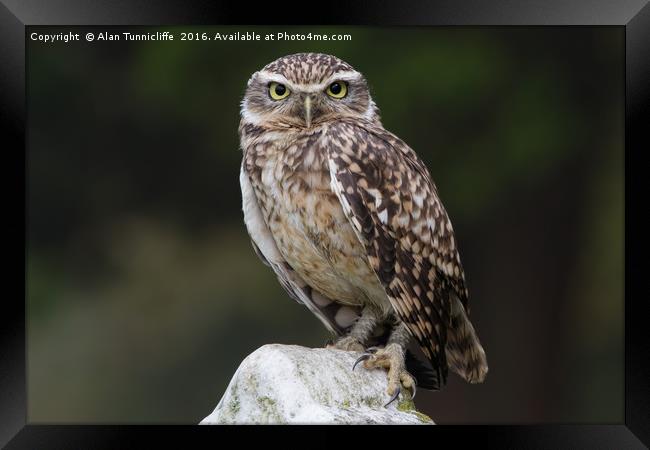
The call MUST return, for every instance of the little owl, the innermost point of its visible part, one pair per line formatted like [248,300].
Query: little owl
[348,218]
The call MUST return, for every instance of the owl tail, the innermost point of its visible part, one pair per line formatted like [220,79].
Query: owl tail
[465,354]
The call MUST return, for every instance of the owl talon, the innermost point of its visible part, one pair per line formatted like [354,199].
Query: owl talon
[390,358]
[394,397]
[361,358]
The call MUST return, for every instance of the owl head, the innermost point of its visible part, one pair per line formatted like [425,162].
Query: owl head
[305,90]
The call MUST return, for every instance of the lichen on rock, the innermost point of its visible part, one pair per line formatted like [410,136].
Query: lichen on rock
[288,384]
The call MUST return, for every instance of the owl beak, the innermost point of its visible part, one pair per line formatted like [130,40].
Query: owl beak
[308,111]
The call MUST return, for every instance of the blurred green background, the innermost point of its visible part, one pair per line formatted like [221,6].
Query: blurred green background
[144,294]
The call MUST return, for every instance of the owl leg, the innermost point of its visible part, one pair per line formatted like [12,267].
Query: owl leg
[392,358]
[361,331]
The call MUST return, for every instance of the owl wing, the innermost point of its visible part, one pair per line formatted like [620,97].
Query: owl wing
[392,204]
[336,318]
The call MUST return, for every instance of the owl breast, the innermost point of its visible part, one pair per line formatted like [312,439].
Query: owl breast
[309,226]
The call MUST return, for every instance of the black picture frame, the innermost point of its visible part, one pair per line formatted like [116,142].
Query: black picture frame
[633,15]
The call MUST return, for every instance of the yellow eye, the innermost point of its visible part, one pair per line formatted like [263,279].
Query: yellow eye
[278,91]
[338,89]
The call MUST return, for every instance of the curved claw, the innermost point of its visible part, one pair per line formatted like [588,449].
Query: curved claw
[415,387]
[394,397]
[361,358]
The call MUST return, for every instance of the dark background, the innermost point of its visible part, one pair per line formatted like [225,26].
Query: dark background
[144,293]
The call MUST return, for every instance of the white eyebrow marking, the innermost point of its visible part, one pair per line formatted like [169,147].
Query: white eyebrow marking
[276,77]
[339,76]
[347,75]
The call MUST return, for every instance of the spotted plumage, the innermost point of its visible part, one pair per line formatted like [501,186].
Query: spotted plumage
[349,219]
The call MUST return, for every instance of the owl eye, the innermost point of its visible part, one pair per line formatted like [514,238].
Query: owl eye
[278,91]
[338,89]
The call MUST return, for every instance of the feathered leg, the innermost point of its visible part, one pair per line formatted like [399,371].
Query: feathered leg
[360,333]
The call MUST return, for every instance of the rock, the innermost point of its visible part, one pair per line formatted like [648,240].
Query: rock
[281,384]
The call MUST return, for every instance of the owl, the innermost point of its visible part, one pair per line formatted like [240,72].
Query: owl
[348,217]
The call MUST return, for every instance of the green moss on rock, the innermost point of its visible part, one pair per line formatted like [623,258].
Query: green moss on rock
[269,409]
[234,405]
[407,405]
